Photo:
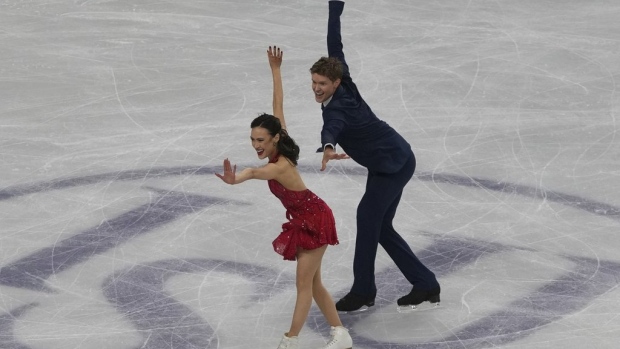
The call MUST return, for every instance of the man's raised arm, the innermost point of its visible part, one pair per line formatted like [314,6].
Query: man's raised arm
[334,39]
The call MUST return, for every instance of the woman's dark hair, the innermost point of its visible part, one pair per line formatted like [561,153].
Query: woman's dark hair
[286,146]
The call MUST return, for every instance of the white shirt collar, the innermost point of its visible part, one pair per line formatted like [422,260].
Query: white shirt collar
[328,100]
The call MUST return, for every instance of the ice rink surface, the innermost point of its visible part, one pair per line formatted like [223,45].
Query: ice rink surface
[114,115]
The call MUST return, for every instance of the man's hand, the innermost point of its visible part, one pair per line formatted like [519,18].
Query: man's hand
[229,172]
[330,154]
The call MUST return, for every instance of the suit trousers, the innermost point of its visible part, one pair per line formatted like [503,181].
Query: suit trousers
[375,213]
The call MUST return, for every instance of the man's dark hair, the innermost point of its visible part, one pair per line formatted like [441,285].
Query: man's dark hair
[330,67]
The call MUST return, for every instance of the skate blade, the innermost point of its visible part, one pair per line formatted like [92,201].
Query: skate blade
[360,310]
[404,309]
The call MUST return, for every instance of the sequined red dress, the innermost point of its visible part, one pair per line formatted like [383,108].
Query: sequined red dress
[310,221]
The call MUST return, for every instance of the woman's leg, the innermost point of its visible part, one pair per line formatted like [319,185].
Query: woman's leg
[340,337]
[324,300]
[308,262]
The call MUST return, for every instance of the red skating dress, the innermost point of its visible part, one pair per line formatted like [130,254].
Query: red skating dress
[310,221]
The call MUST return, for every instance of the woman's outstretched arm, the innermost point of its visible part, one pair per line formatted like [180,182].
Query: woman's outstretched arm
[230,175]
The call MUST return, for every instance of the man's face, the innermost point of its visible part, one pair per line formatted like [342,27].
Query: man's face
[323,87]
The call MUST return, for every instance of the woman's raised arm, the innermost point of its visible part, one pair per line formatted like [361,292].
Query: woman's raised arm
[275,61]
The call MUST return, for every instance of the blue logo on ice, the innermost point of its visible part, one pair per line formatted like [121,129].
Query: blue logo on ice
[139,293]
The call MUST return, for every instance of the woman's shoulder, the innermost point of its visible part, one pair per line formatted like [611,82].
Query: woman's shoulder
[285,163]
[288,171]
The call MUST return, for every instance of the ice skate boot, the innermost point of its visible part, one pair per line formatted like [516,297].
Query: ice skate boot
[289,342]
[340,339]
[354,303]
[411,301]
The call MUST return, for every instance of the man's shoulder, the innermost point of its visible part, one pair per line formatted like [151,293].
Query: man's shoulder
[346,98]
[334,110]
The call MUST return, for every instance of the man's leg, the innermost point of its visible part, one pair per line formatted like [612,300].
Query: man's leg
[426,287]
[380,193]
[397,248]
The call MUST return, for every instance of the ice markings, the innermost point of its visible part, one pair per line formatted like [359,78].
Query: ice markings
[562,296]
[591,206]
[130,175]
[7,321]
[139,293]
[30,272]
[444,256]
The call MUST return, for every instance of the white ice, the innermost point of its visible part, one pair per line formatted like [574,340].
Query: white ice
[114,115]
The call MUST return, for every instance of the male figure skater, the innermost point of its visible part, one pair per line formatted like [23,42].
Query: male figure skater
[349,122]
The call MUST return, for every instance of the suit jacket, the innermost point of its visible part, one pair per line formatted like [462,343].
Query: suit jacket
[349,122]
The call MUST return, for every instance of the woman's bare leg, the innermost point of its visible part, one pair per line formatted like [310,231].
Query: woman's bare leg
[308,262]
[324,300]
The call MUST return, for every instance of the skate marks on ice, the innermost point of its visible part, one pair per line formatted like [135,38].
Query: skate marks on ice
[130,175]
[30,272]
[138,293]
[164,322]
[559,297]
[7,322]
[522,317]
[573,201]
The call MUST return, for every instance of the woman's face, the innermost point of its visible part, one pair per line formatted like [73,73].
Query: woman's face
[263,142]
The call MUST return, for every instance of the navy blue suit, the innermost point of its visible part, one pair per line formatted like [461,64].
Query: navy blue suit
[349,122]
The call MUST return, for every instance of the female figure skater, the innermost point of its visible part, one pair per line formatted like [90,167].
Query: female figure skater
[310,227]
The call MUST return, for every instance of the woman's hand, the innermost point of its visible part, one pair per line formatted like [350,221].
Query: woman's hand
[229,172]
[275,56]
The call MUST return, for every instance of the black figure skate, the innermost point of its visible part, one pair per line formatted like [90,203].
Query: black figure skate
[354,303]
[411,301]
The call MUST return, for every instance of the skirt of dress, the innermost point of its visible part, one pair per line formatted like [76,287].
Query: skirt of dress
[307,231]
